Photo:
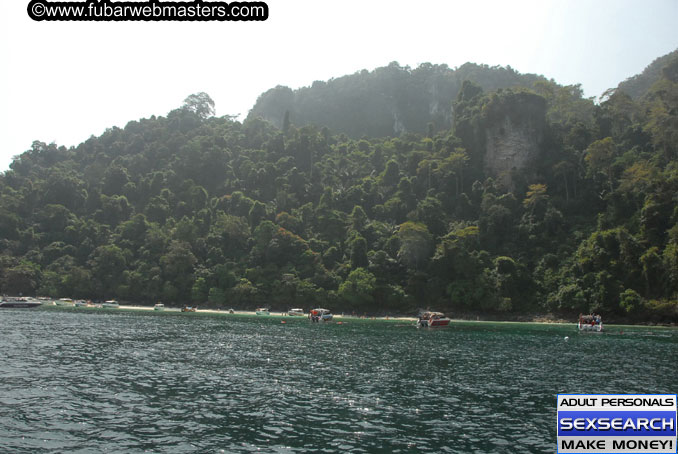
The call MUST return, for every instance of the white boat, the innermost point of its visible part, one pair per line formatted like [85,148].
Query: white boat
[590,323]
[159,307]
[320,314]
[262,311]
[64,302]
[19,303]
[81,303]
[432,320]
[296,312]
[110,304]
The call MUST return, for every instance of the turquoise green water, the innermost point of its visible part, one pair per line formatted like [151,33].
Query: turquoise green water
[81,381]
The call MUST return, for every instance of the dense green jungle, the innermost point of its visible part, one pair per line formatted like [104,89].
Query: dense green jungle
[478,191]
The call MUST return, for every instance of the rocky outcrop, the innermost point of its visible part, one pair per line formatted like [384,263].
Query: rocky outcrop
[388,101]
[514,130]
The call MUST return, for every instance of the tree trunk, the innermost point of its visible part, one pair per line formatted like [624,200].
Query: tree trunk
[567,191]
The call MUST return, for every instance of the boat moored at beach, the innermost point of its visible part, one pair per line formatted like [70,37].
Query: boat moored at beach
[159,307]
[432,320]
[65,302]
[262,311]
[189,309]
[320,315]
[296,312]
[110,304]
[590,323]
[19,303]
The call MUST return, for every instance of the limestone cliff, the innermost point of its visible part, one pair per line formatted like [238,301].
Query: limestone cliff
[388,101]
[514,130]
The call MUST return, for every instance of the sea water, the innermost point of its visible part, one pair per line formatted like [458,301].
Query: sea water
[92,380]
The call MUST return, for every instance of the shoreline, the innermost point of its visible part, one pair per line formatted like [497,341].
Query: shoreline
[272,314]
[536,319]
[539,319]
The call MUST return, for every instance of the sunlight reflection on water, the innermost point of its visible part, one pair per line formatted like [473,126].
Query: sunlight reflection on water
[93,381]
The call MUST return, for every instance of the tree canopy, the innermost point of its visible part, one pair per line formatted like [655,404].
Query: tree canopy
[193,207]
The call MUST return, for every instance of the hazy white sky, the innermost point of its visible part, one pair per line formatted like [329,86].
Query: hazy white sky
[65,81]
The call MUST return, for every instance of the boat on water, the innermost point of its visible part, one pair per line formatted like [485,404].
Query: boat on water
[65,302]
[46,301]
[262,311]
[189,309]
[590,323]
[19,303]
[159,307]
[296,312]
[110,304]
[82,303]
[432,320]
[320,315]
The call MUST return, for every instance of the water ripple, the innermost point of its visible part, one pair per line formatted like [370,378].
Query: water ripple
[132,382]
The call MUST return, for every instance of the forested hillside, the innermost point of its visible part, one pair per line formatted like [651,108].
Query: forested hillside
[638,85]
[533,200]
[388,101]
